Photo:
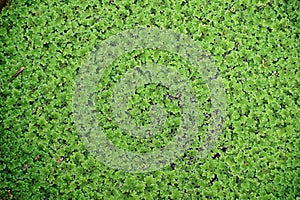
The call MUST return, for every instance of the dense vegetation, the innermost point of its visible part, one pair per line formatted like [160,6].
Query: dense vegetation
[255,46]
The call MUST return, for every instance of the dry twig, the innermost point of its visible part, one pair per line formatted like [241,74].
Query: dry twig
[17,73]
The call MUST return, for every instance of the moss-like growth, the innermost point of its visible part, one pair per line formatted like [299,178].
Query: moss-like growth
[254,44]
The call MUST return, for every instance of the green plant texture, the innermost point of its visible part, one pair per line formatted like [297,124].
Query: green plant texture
[255,45]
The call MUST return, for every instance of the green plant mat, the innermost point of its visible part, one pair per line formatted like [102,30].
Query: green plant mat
[255,45]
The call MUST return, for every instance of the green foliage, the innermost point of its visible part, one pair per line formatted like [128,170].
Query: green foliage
[256,47]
